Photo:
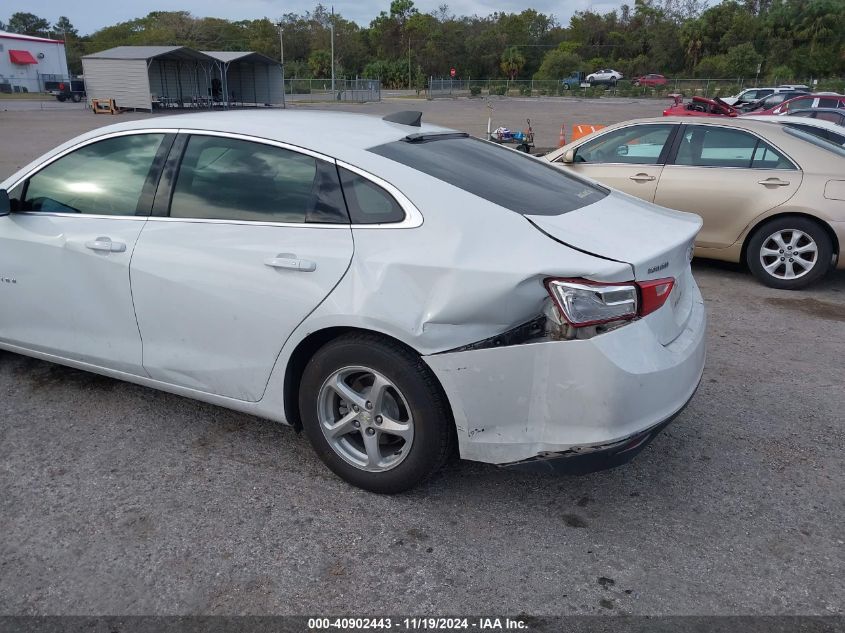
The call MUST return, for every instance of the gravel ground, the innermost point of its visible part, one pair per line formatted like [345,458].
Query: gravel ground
[121,500]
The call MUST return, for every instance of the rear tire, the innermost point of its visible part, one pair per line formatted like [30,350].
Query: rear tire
[789,253]
[566,86]
[375,414]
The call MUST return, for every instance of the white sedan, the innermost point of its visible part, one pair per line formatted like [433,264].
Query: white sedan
[604,76]
[395,289]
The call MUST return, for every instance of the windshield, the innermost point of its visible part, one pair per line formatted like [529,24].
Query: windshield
[816,140]
[503,176]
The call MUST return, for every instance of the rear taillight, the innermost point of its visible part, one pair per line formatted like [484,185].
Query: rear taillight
[61,86]
[585,303]
[653,294]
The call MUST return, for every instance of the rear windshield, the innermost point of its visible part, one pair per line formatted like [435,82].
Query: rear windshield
[503,176]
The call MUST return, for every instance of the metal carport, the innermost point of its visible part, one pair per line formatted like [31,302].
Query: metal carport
[144,77]
[248,78]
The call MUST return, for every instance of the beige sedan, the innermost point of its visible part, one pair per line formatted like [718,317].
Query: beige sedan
[770,196]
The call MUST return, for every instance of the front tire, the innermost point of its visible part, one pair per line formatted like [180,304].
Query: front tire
[375,414]
[789,253]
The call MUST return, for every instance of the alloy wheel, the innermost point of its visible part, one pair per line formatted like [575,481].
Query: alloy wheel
[788,254]
[365,419]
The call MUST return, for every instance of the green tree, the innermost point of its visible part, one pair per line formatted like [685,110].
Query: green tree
[320,64]
[559,63]
[512,62]
[28,24]
[742,60]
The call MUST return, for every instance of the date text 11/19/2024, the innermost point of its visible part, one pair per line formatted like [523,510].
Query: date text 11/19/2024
[417,624]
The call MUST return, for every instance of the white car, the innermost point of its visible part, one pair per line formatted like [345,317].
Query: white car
[749,95]
[604,76]
[393,288]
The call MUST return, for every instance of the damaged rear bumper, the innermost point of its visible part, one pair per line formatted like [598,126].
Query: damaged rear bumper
[589,459]
[595,403]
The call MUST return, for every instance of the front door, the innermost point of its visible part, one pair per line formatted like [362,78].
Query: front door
[65,252]
[629,159]
[256,237]
[728,177]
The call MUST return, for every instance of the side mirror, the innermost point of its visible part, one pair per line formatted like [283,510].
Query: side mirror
[568,156]
[5,203]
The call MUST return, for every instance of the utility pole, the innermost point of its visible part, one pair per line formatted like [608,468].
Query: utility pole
[331,27]
[281,46]
[409,62]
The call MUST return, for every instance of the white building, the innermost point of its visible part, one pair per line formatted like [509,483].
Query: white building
[26,62]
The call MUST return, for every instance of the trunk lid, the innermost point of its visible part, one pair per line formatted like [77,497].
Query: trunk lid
[656,242]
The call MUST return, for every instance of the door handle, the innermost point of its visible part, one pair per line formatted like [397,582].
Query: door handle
[641,178]
[106,244]
[773,182]
[291,262]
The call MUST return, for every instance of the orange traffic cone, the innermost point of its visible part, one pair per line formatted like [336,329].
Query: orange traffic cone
[562,140]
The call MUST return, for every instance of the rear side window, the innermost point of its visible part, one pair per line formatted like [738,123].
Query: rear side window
[711,146]
[367,202]
[503,176]
[232,179]
[833,117]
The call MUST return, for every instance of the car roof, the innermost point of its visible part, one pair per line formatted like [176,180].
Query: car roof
[340,135]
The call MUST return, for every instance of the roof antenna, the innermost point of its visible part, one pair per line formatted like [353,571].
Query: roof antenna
[405,117]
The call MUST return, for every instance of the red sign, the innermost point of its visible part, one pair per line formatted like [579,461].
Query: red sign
[452,72]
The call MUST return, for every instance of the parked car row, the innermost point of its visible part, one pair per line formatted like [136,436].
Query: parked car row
[608,76]
[771,196]
[345,274]
[784,102]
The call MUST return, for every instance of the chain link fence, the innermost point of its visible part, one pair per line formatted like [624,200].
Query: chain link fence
[345,90]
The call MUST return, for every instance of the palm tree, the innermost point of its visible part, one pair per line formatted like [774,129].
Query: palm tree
[512,62]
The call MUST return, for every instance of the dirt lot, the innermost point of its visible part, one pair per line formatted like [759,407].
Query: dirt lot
[120,500]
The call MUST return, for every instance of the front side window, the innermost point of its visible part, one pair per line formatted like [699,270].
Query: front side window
[799,104]
[711,146]
[232,179]
[103,178]
[635,145]
[502,176]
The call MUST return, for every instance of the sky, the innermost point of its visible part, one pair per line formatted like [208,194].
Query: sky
[88,16]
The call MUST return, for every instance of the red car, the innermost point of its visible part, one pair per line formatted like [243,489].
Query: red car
[650,81]
[803,102]
[699,106]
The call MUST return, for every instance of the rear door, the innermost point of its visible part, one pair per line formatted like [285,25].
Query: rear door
[246,239]
[728,177]
[629,159]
